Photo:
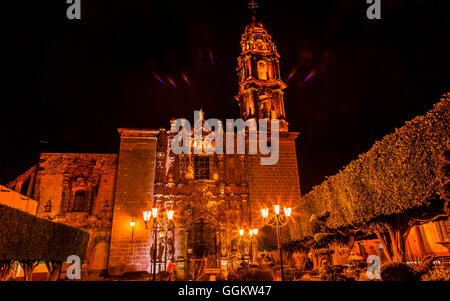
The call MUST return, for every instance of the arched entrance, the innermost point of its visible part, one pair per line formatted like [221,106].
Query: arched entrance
[201,247]
[202,240]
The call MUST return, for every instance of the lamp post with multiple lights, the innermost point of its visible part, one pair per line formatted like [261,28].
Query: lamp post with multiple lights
[277,221]
[251,235]
[148,215]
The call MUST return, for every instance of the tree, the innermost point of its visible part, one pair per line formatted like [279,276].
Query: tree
[389,189]
[31,240]
[444,176]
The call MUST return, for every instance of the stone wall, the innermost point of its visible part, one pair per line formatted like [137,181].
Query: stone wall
[146,174]
[130,248]
[16,200]
[277,184]
[59,177]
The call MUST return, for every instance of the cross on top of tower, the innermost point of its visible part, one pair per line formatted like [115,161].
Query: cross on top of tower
[253,6]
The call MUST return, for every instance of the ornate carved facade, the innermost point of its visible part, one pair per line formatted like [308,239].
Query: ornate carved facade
[213,200]
[213,196]
[78,190]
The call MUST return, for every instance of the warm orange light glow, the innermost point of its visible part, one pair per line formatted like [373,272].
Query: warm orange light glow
[287,212]
[132,224]
[147,215]
[170,214]
[250,232]
[241,232]
[277,209]
[255,231]
[265,213]
[155,212]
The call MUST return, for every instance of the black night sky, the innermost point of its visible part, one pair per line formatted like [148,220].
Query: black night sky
[73,83]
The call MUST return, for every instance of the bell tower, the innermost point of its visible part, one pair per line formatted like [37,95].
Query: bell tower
[260,85]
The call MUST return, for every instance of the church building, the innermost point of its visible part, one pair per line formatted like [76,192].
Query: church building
[211,196]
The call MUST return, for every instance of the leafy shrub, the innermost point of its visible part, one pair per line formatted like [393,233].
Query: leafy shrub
[257,275]
[425,266]
[437,275]
[398,271]
[324,251]
[333,273]
[300,261]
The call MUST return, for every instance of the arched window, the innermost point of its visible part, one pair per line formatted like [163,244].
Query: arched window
[262,70]
[79,201]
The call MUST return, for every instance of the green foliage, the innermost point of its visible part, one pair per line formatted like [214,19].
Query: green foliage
[257,275]
[323,239]
[24,237]
[302,245]
[437,275]
[324,251]
[444,176]
[267,239]
[333,273]
[398,271]
[397,174]
[425,266]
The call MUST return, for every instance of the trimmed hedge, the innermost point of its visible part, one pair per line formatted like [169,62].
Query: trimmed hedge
[397,174]
[24,237]
[444,176]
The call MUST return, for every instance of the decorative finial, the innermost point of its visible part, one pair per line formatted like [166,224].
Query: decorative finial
[253,6]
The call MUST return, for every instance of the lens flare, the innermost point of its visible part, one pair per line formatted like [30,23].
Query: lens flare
[186,79]
[171,81]
[293,72]
[310,75]
[158,78]
[211,57]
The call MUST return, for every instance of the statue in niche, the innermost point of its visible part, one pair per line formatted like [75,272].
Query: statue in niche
[243,173]
[170,245]
[232,170]
[237,171]
[262,70]
[224,243]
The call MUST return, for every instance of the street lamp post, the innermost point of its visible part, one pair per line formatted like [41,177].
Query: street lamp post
[132,224]
[251,234]
[154,214]
[277,221]
[169,219]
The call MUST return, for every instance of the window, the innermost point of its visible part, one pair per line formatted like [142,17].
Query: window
[79,202]
[262,70]
[201,166]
